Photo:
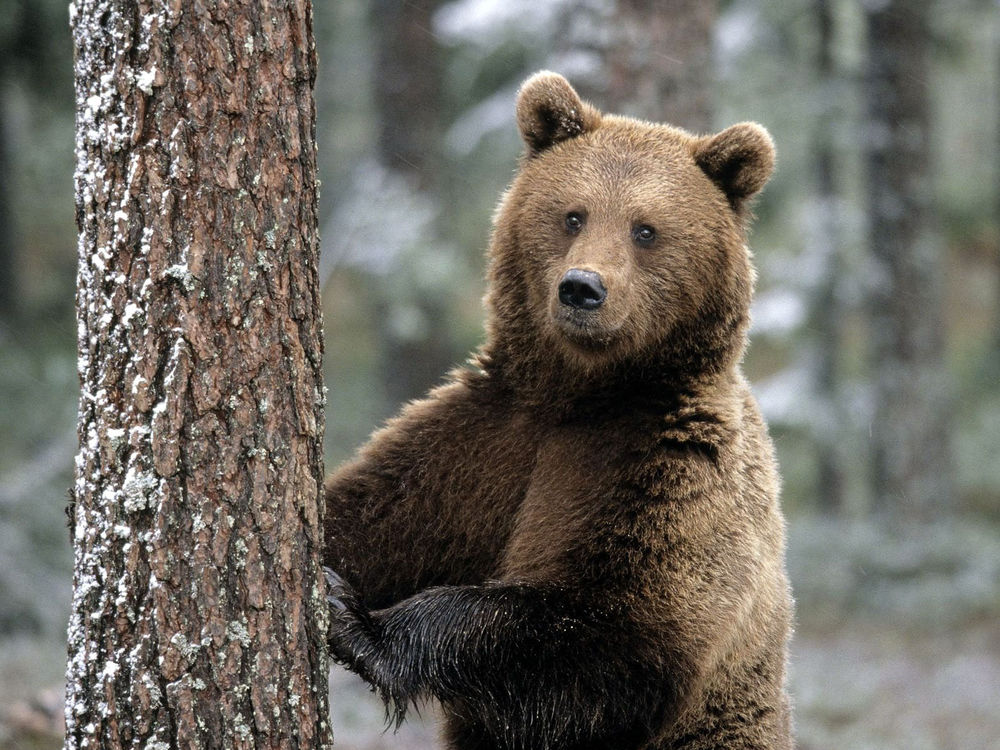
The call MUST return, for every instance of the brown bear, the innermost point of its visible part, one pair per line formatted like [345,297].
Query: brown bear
[576,541]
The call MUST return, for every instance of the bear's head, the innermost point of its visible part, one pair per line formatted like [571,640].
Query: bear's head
[621,244]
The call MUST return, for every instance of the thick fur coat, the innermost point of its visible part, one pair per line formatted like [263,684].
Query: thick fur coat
[576,541]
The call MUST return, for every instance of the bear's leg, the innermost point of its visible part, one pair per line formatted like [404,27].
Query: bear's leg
[431,499]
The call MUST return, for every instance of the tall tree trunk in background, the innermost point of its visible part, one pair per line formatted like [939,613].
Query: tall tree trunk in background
[407,86]
[911,430]
[198,618]
[8,254]
[659,61]
[996,198]
[25,45]
[827,311]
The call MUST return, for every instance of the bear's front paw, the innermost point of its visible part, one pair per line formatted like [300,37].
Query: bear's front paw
[339,594]
[353,633]
[355,639]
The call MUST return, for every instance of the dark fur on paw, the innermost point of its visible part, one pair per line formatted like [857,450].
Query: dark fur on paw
[355,639]
[353,634]
[339,593]
[345,606]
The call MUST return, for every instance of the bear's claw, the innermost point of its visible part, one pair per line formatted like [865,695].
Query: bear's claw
[337,591]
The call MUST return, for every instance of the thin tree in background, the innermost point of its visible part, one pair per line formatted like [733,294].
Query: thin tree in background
[910,424]
[827,310]
[407,85]
[996,199]
[8,237]
[198,618]
[33,54]
[659,61]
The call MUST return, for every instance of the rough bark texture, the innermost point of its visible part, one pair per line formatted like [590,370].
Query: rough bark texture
[911,430]
[198,616]
[660,61]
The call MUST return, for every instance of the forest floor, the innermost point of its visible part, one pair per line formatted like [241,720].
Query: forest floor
[897,648]
[860,686]
[857,686]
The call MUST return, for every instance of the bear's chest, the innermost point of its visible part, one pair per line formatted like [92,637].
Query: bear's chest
[583,508]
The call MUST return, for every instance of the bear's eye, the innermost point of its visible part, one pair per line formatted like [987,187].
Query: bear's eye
[574,222]
[644,234]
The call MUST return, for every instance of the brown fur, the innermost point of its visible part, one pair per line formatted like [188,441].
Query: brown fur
[612,459]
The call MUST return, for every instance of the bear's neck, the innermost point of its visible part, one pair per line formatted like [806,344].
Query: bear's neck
[553,379]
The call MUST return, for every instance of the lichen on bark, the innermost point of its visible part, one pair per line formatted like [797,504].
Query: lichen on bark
[197,615]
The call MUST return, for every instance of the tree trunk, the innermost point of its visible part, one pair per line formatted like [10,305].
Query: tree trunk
[198,615]
[911,430]
[827,311]
[660,61]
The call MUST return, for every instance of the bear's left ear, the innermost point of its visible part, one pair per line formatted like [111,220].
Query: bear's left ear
[739,160]
[550,111]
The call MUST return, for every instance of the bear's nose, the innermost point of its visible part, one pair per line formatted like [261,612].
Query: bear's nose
[582,289]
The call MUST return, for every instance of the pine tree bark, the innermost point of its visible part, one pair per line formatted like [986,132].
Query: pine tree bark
[198,617]
[911,429]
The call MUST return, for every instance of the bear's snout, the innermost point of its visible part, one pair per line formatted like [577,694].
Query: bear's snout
[582,290]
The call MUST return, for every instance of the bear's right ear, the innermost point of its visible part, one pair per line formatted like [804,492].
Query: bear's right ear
[739,160]
[550,111]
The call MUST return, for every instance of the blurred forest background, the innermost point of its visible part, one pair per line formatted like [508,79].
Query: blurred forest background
[876,339]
